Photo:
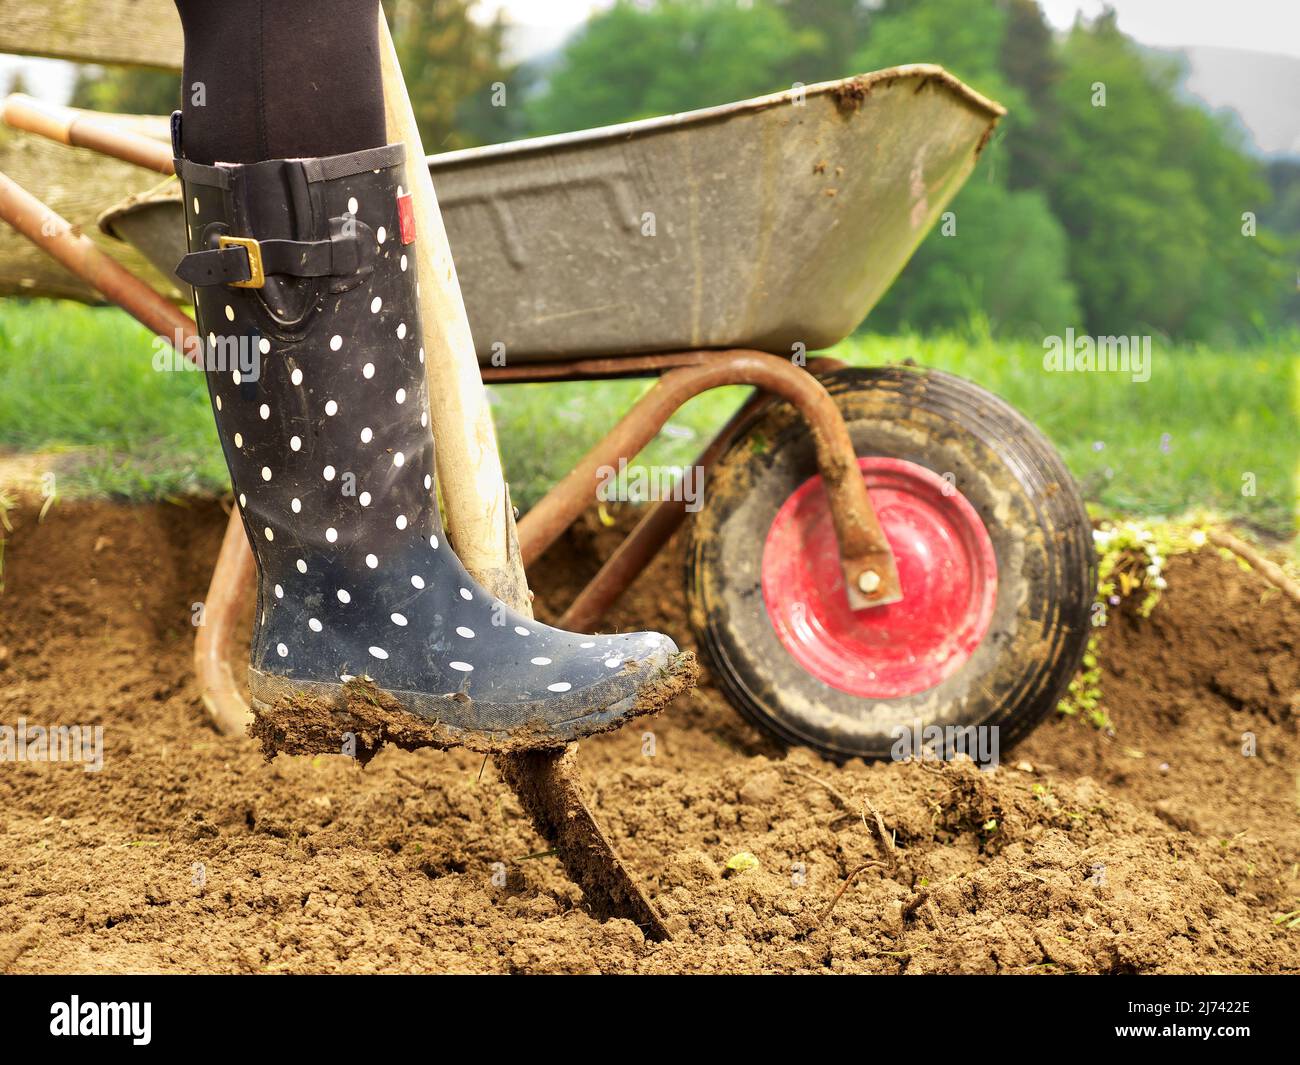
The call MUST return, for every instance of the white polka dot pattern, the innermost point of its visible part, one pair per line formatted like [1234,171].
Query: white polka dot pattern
[332,460]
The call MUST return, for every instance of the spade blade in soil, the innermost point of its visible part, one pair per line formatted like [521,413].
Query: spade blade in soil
[547,785]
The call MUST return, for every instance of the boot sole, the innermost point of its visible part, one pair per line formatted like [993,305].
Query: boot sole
[357,718]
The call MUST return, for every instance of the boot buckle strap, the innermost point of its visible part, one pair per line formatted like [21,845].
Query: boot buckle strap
[256,272]
[342,255]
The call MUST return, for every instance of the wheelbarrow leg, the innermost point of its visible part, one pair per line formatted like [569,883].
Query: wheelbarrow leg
[232,578]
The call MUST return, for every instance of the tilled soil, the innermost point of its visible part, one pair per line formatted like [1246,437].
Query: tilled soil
[1165,847]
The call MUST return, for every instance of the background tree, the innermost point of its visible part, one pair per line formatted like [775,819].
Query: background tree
[1152,190]
[451,63]
[1007,265]
[1283,212]
[1029,60]
[633,61]
[839,25]
[126,90]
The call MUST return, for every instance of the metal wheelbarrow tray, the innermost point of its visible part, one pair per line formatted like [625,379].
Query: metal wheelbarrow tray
[764,224]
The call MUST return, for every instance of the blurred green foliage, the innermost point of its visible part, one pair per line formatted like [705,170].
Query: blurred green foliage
[1152,192]
[450,63]
[1214,428]
[126,90]
[635,62]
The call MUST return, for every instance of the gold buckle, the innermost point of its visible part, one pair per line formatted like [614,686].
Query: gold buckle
[256,275]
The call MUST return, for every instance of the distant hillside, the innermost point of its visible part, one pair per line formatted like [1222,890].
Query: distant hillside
[1263,89]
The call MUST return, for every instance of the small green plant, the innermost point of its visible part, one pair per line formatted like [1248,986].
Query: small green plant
[1132,557]
[1083,697]
[740,863]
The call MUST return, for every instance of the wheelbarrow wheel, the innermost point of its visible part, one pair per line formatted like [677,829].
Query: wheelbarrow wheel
[994,553]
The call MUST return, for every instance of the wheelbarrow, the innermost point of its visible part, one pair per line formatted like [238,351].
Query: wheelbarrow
[722,247]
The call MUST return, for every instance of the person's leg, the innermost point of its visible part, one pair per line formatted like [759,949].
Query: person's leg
[280,79]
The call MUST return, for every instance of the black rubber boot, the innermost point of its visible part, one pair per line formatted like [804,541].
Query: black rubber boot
[304,270]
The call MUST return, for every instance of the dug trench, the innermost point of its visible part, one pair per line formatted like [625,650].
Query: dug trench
[1155,846]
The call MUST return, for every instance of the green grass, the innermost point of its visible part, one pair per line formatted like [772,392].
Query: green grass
[73,377]
[76,377]
[1208,425]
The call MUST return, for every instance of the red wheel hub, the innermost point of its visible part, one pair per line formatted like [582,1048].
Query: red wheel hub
[946,568]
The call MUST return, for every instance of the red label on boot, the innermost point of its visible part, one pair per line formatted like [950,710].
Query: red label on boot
[406,217]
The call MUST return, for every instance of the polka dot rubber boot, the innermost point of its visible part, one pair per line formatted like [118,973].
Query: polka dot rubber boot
[305,291]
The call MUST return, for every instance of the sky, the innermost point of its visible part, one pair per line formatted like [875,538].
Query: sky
[1257,25]
[543,12]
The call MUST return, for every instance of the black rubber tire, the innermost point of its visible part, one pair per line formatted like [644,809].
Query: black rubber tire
[1021,490]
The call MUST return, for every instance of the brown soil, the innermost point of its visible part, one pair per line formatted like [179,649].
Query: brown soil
[1161,848]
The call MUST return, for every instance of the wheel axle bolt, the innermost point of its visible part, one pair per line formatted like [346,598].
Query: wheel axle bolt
[868,581]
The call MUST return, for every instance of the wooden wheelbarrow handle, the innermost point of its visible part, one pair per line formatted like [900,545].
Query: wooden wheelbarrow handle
[69,246]
[86,129]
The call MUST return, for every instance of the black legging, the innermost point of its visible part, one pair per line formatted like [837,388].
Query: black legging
[278,79]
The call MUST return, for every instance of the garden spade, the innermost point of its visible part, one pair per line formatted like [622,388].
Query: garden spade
[481,523]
